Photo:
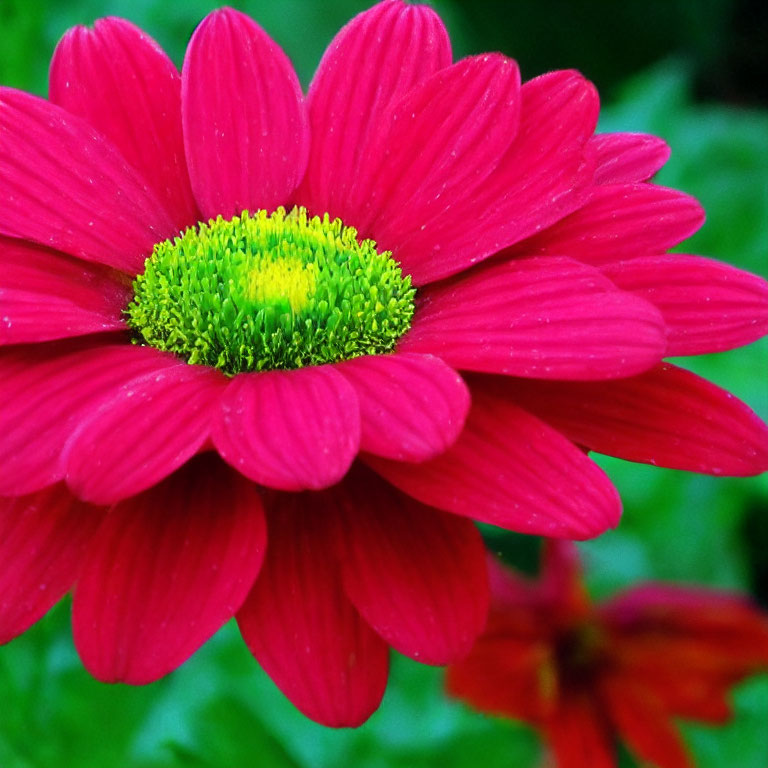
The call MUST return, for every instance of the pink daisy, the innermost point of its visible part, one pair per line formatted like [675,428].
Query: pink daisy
[260,415]
[588,676]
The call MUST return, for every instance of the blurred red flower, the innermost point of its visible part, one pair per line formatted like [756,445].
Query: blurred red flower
[587,676]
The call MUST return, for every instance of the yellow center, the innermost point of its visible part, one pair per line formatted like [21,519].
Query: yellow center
[287,279]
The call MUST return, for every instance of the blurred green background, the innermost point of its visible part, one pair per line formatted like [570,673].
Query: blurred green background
[692,71]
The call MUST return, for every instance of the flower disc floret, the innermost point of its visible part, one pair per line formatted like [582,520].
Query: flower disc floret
[270,291]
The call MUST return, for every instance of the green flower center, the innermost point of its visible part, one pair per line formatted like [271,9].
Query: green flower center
[265,291]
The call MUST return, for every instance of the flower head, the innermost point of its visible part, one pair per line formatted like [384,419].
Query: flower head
[588,676]
[233,319]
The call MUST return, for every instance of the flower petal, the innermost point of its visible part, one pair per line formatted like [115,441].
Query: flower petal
[143,431]
[301,627]
[416,575]
[733,630]
[245,127]
[47,391]
[561,585]
[120,80]
[540,317]
[46,295]
[686,695]
[292,430]
[510,469]
[502,675]
[580,735]
[373,61]
[431,150]
[165,570]
[667,416]
[644,725]
[626,158]
[471,205]
[42,540]
[620,221]
[412,407]
[708,306]
[64,185]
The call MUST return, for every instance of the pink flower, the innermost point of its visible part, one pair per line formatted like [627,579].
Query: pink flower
[154,477]
[589,675]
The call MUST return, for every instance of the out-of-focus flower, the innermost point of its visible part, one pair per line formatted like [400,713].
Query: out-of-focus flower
[180,398]
[590,675]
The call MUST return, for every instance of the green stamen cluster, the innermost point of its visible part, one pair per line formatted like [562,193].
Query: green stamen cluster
[265,291]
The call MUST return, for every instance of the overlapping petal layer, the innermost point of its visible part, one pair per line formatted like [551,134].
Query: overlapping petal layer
[511,469]
[302,628]
[666,416]
[165,570]
[46,295]
[626,158]
[534,178]
[441,141]
[43,537]
[620,221]
[707,306]
[65,186]
[372,63]
[416,575]
[142,432]
[48,391]
[412,407]
[544,318]
[121,81]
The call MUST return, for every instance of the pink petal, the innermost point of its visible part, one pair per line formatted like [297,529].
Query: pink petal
[430,153]
[510,469]
[620,221]
[625,158]
[292,430]
[416,575]
[708,306]
[301,627]
[62,184]
[42,540]
[245,128]
[666,416]
[539,317]
[46,295]
[47,391]
[372,62]
[119,79]
[143,431]
[412,407]
[166,569]
[471,207]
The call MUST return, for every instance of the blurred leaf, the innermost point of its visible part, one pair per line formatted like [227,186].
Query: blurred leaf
[744,741]
[56,713]
[227,733]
